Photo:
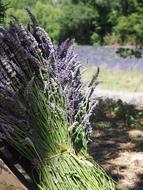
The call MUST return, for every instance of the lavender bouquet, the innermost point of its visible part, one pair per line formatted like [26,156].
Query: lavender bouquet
[43,112]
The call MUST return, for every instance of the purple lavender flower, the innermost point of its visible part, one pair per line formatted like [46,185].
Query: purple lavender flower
[6,129]
[28,56]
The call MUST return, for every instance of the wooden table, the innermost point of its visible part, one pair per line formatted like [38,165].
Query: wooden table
[8,181]
[16,173]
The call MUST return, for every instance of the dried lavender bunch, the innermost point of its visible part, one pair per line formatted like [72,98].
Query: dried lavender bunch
[37,48]
[79,105]
[43,112]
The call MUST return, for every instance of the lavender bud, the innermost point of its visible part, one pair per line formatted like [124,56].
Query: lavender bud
[28,141]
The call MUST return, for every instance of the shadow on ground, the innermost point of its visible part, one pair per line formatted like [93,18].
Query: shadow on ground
[117,142]
[120,153]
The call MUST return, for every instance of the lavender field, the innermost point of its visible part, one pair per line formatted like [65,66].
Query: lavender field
[99,56]
[116,73]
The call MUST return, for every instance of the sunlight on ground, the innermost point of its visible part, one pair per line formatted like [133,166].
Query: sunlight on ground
[116,79]
[119,151]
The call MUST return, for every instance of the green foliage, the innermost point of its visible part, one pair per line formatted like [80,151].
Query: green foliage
[95,39]
[48,17]
[130,28]
[78,22]
[3,8]
[87,21]
[132,52]
[115,113]
[125,112]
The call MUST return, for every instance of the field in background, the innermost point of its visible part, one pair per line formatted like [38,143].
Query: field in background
[107,56]
[116,79]
[116,73]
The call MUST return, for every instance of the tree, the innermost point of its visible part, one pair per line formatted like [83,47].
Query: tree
[129,28]
[88,21]
[79,22]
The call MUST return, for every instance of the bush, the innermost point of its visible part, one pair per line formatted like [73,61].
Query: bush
[95,39]
[130,29]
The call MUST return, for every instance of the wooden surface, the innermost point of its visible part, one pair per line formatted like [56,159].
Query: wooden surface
[8,181]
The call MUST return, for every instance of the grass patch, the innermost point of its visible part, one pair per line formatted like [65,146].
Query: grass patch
[116,79]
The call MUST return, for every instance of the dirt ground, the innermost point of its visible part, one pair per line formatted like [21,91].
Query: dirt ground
[120,153]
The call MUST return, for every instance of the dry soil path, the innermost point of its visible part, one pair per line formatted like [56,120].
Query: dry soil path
[120,152]
[135,98]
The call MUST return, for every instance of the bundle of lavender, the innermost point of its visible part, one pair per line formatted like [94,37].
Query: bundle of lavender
[43,112]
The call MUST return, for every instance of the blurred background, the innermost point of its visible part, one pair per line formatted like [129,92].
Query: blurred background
[99,28]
